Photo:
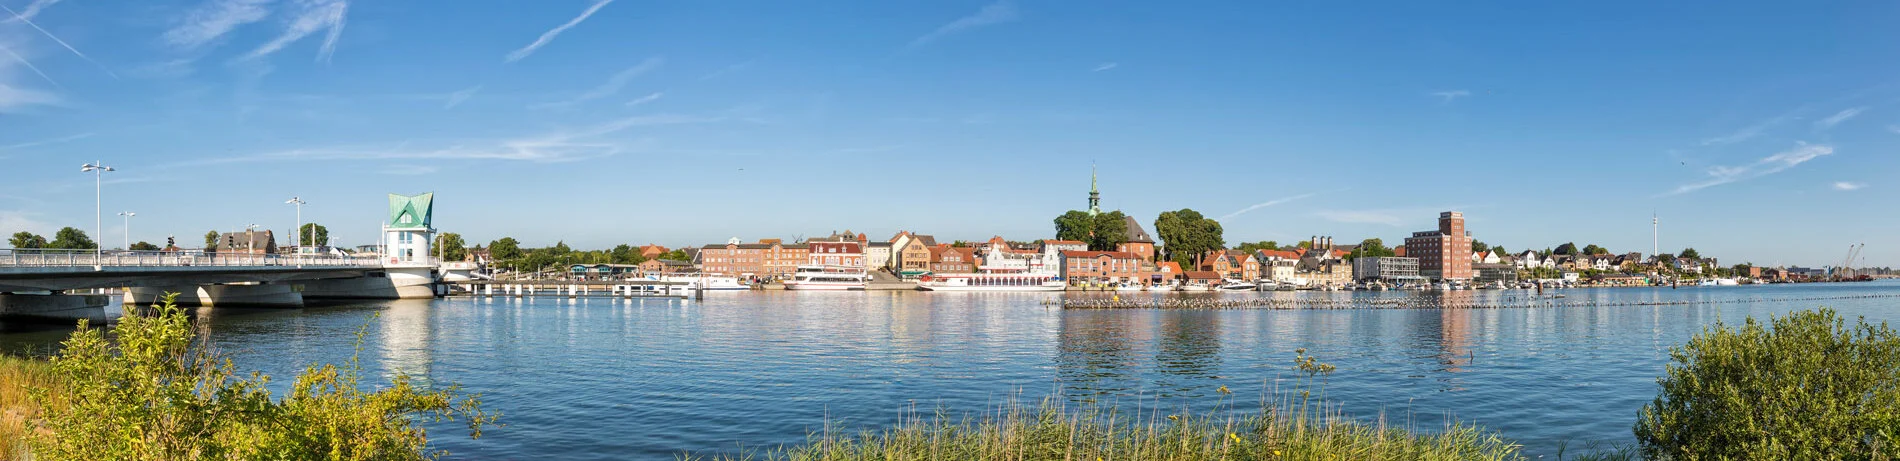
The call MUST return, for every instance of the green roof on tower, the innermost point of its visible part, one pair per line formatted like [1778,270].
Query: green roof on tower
[411,211]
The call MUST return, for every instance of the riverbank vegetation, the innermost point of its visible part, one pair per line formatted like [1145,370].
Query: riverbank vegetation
[1801,386]
[18,409]
[159,391]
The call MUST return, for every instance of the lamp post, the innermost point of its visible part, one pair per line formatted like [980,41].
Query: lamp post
[128,228]
[298,201]
[98,170]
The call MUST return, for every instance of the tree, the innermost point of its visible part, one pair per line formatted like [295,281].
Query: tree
[676,255]
[144,246]
[1307,244]
[211,240]
[1500,250]
[1111,230]
[313,234]
[1268,245]
[1566,249]
[1690,253]
[627,254]
[1074,225]
[1186,234]
[1803,386]
[452,246]
[506,249]
[1371,248]
[1592,249]
[72,239]
[25,240]
[1479,247]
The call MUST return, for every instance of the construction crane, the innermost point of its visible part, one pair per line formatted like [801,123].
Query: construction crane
[1846,270]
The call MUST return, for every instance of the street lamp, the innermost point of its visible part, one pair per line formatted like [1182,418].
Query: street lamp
[298,201]
[128,228]
[98,169]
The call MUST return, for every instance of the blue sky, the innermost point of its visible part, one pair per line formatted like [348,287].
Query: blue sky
[1761,132]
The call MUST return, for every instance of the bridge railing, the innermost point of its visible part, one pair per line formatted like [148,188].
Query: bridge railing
[112,258]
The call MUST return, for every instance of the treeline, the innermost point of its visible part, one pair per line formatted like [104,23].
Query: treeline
[508,252]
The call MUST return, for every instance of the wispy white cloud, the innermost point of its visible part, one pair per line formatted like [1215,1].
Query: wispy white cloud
[28,64]
[1780,161]
[1105,66]
[645,99]
[1751,131]
[1844,185]
[548,36]
[32,10]
[408,170]
[992,14]
[313,16]
[1450,95]
[613,84]
[1265,204]
[456,98]
[21,18]
[43,142]
[1838,117]
[213,19]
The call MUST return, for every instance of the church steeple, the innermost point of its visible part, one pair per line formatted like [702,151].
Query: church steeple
[1095,196]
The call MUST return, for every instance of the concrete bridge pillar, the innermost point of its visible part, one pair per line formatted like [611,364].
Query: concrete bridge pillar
[54,308]
[261,295]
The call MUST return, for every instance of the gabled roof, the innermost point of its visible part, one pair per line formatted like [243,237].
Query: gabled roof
[1170,266]
[929,241]
[1203,275]
[1135,233]
[1062,242]
[1282,254]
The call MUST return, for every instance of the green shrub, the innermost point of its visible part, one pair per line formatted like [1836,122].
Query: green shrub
[159,394]
[1807,388]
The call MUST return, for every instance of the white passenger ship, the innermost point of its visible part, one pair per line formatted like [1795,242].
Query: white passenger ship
[828,278]
[991,282]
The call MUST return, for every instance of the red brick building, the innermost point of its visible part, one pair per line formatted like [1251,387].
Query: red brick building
[848,253]
[1445,253]
[1101,266]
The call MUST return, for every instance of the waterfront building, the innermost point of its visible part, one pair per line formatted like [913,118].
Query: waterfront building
[1530,260]
[877,255]
[1485,257]
[1101,266]
[1063,245]
[1387,269]
[998,256]
[250,241]
[910,254]
[1443,253]
[1233,264]
[601,271]
[1139,242]
[651,251]
[765,259]
[1167,271]
[665,267]
[1492,273]
[833,253]
[946,259]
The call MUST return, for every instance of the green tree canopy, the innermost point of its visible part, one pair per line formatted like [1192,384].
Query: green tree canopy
[1371,248]
[1690,253]
[1261,245]
[211,240]
[452,247]
[1185,234]
[72,239]
[1566,249]
[1592,249]
[145,246]
[627,254]
[1307,244]
[676,255]
[1111,230]
[313,234]
[25,240]
[505,249]
[1479,247]
[1074,225]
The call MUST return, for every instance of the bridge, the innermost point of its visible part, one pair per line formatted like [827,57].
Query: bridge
[37,283]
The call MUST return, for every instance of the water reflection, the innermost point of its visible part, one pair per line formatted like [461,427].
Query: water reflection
[405,334]
[1095,353]
[1188,355]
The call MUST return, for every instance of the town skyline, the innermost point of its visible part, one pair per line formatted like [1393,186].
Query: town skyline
[606,122]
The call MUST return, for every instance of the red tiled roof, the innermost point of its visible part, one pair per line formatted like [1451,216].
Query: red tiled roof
[1061,242]
[1203,275]
[1280,254]
[1171,267]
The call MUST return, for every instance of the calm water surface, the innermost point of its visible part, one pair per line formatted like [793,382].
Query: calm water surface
[649,379]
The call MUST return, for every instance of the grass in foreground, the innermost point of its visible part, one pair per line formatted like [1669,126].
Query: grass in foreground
[17,407]
[1053,432]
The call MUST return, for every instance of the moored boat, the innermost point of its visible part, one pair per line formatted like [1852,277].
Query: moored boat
[828,278]
[991,282]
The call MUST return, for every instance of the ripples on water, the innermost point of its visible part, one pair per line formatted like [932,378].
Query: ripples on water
[649,379]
